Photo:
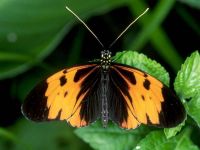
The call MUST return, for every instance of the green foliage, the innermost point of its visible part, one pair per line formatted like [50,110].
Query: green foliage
[193,3]
[187,83]
[112,137]
[157,140]
[170,132]
[34,136]
[194,108]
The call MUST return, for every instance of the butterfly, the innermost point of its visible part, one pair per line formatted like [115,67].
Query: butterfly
[104,90]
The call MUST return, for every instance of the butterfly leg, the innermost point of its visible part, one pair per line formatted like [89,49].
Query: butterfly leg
[104,102]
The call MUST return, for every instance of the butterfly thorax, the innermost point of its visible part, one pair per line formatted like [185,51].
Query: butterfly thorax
[105,60]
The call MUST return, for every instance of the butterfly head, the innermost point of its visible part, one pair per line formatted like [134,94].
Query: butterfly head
[105,59]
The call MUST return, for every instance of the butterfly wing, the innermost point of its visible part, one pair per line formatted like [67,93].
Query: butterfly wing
[142,98]
[71,95]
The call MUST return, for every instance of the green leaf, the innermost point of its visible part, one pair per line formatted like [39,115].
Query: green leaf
[187,82]
[33,29]
[192,3]
[144,63]
[193,108]
[112,137]
[171,132]
[157,140]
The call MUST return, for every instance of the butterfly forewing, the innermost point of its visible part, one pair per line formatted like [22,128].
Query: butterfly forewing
[71,95]
[145,99]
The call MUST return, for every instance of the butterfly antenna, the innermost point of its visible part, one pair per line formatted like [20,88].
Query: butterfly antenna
[127,28]
[85,26]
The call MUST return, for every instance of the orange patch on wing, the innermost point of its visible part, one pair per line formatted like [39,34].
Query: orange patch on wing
[64,98]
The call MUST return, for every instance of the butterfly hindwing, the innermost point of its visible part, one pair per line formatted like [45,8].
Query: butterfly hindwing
[71,95]
[146,99]
[119,112]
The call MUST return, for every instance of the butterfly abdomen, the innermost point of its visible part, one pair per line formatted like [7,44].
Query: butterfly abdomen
[104,98]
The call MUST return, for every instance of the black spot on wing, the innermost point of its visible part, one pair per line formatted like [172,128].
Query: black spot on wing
[142,97]
[65,71]
[173,111]
[127,74]
[82,72]
[145,75]
[63,80]
[146,84]
[65,94]
[35,105]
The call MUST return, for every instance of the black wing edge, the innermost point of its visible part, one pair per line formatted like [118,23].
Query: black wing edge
[172,110]
[35,105]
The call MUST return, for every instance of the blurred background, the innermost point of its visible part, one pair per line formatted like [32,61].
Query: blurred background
[38,38]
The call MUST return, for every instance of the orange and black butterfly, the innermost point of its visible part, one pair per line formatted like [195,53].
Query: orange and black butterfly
[104,90]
